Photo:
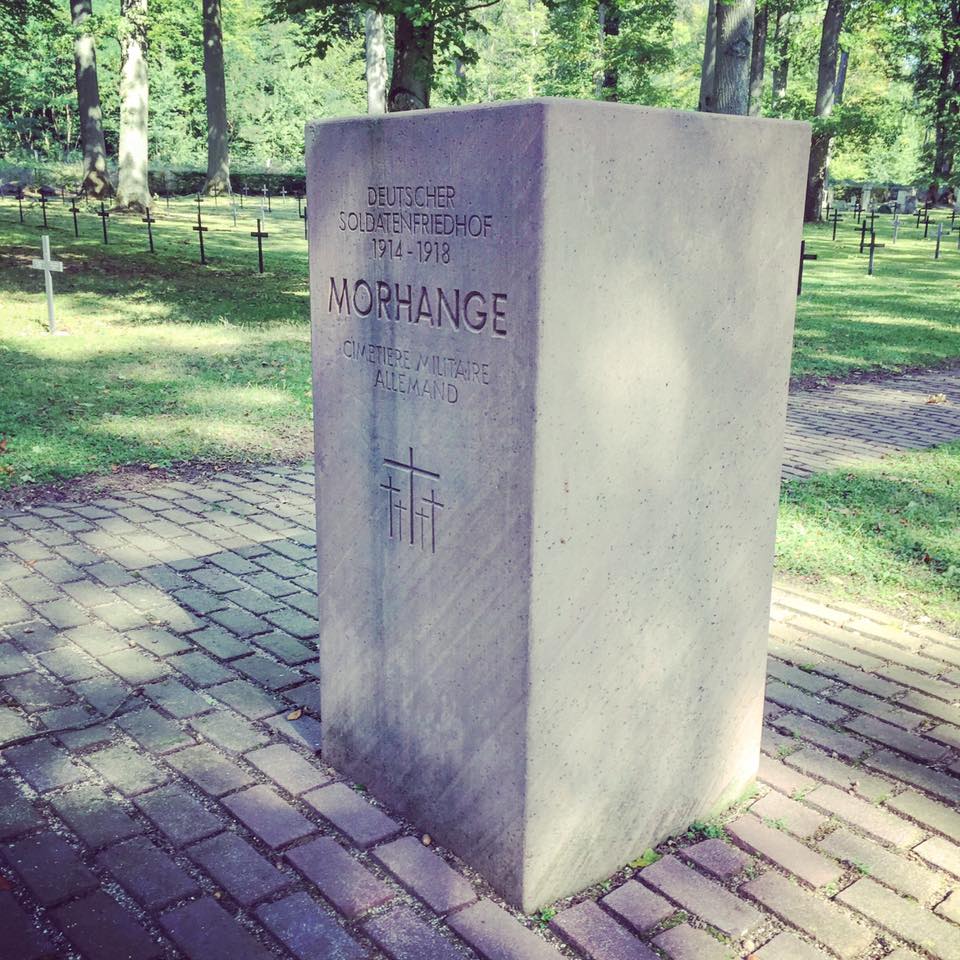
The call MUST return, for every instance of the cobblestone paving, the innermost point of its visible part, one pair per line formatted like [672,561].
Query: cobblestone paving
[162,795]
[852,422]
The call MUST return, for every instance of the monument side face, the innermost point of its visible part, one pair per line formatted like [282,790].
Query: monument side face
[424,256]
[664,364]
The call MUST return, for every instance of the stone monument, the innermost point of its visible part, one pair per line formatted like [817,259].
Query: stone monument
[550,394]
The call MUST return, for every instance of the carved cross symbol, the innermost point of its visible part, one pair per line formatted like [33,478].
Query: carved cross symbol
[414,508]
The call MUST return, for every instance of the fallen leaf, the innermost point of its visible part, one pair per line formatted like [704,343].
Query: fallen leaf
[936,398]
[295,714]
[426,839]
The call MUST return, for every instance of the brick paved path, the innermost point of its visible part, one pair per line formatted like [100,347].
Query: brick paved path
[157,798]
[850,422]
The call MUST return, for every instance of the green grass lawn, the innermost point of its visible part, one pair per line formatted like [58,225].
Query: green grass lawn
[888,532]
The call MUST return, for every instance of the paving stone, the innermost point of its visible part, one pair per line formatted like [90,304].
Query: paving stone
[496,935]
[35,692]
[254,601]
[268,673]
[64,718]
[202,670]
[213,774]
[271,584]
[424,874]
[200,601]
[19,937]
[903,918]
[108,695]
[296,623]
[875,707]
[702,897]
[918,681]
[721,860]
[268,817]
[239,622]
[946,733]
[865,816]
[840,743]
[36,636]
[793,699]
[151,877]
[781,777]
[684,942]
[128,770]
[950,908]
[637,906]
[596,935]
[937,782]
[44,766]
[159,642]
[310,932]
[787,814]
[50,868]
[121,616]
[12,726]
[82,739]
[32,589]
[12,661]
[840,774]
[97,640]
[179,816]
[941,853]
[17,814]
[305,730]
[94,817]
[178,700]
[246,699]
[820,919]
[103,930]
[919,748]
[782,849]
[69,664]
[134,666]
[229,731]
[928,812]
[873,860]
[63,614]
[205,931]
[286,648]
[287,768]
[401,935]
[931,707]
[219,643]
[153,731]
[216,580]
[349,886]
[13,611]
[350,813]
[786,946]
[238,868]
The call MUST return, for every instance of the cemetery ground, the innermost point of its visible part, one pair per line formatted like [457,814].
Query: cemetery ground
[168,361]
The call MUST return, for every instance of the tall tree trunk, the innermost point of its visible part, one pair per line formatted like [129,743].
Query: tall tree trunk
[734,40]
[608,17]
[781,50]
[826,97]
[218,147]
[838,87]
[412,65]
[133,192]
[95,181]
[376,37]
[946,104]
[708,73]
[761,21]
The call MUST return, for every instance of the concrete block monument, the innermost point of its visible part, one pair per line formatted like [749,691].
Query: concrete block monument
[550,392]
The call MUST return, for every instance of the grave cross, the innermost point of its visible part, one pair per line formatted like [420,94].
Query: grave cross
[836,218]
[43,206]
[873,246]
[259,234]
[103,213]
[266,196]
[299,202]
[936,253]
[233,207]
[48,266]
[74,209]
[303,217]
[896,227]
[63,195]
[201,230]
[926,224]
[803,256]
[920,211]
[858,209]
[149,220]
[283,194]
[20,202]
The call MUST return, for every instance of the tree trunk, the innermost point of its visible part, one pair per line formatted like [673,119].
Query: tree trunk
[218,147]
[95,181]
[133,192]
[708,74]
[412,65]
[826,97]
[734,40]
[609,21]
[781,49]
[758,59]
[376,63]
[946,104]
[841,78]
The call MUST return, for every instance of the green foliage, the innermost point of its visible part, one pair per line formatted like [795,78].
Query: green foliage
[646,859]
[701,830]
[543,917]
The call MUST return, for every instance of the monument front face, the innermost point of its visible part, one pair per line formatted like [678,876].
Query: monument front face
[549,401]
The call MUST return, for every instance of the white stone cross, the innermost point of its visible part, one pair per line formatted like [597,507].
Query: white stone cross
[48,267]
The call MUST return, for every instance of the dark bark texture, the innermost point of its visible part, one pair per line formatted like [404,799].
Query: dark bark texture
[95,181]
[218,146]
[412,66]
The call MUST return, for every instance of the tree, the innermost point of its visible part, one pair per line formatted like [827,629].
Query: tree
[708,72]
[133,192]
[734,40]
[781,49]
[95,181]
[826,96]
[412,77]
[218,147]
[376,62]
[758,57]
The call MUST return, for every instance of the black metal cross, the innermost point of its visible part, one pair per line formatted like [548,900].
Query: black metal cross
[43,206]
[803,256]
[936,253]
[873,246]
[299,202]
[259,234]
[836,218]
[926,224]
[201,230]
[858,209]
[149,220]
[103,213]
[74,209]
[920,213]
[863,233]
[20,202]
[303,217]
